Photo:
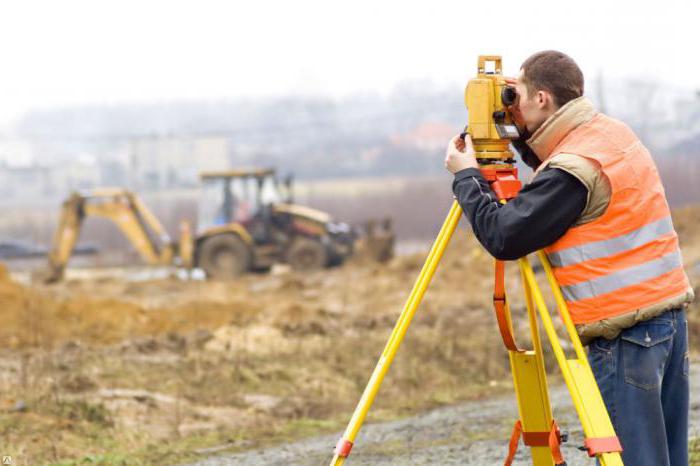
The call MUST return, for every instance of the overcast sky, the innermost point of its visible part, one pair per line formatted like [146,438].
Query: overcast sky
[73,52]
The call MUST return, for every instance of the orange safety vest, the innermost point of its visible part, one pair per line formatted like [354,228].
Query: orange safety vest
[628,258]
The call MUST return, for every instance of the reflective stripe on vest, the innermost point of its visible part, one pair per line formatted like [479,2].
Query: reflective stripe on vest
[623,278]
[609,247]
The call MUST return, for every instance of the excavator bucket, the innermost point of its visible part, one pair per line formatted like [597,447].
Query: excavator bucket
[47,275]
[376,243]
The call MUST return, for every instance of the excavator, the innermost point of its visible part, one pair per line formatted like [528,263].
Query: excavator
[244,224]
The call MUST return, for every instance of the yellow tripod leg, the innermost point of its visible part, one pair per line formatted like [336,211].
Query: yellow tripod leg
[533,403]
[419,288]
[530,384]
[577,372]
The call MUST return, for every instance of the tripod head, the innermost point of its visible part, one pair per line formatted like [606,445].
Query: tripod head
[491,126]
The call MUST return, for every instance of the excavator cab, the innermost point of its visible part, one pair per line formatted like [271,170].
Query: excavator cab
[235,196]
[245,208]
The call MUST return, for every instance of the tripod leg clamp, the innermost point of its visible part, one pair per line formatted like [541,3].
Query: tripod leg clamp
[551,439]
[343,447]
[598,445]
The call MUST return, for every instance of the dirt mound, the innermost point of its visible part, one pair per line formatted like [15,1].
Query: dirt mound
[104,311]
[46,317]
[10,291]
[16,303]
[107,311]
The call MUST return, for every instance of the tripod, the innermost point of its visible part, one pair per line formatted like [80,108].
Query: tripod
[488,98]
[535,424]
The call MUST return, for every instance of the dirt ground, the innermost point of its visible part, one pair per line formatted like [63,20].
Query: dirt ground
[473,433]
[110,371]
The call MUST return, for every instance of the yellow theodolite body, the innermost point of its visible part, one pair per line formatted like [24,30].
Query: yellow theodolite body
[487,97]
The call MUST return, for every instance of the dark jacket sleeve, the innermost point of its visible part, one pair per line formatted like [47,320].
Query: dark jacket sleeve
[537,217]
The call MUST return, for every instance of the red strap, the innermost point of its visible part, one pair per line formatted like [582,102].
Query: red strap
[343,447]
[602,445]
[499,305]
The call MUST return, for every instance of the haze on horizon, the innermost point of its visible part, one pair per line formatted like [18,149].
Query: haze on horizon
[78,52]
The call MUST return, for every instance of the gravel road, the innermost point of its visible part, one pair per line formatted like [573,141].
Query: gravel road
[473,433]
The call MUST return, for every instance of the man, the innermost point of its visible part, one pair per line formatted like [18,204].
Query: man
[597,207]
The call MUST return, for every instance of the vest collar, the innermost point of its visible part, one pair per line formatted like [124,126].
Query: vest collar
[559,124]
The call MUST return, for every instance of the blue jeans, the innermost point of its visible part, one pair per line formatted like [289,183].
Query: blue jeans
[643,377]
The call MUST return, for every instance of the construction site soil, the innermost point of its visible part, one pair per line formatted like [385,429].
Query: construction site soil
[111,371]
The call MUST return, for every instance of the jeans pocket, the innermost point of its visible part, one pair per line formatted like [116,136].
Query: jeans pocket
[602,345]
[598,358]
[645,349]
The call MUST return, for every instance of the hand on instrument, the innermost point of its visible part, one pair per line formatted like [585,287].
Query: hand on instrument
[460,154]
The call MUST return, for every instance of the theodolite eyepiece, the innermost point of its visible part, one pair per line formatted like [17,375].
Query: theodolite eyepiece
[508,95]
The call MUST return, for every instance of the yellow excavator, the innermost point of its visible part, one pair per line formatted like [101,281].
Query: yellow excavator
[243,224]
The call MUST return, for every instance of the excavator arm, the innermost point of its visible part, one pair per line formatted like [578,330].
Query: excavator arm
[138,224]
[65,237]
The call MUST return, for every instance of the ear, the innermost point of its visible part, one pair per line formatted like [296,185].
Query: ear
[544,99]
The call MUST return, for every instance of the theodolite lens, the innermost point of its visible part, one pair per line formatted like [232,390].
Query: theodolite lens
[508,95]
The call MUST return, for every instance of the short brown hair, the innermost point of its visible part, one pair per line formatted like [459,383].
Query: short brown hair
[554,72]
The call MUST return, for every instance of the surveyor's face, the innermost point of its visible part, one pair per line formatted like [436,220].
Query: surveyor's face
[531,108]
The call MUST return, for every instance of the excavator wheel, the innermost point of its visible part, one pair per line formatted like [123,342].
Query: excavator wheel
[223,257]
[307,254]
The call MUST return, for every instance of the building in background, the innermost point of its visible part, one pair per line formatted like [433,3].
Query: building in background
[175,161]
[30,181]
[32,171]
[430,136]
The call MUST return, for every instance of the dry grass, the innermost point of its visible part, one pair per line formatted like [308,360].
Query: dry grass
[694,459]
